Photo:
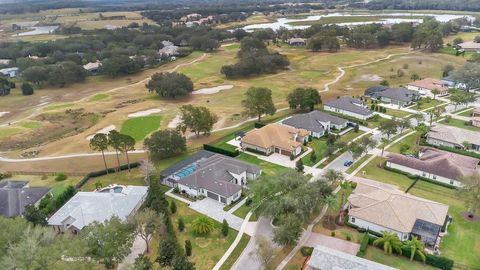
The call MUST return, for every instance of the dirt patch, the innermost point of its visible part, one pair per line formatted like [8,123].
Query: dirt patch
[3,113]
[470,217]
[104,130]
[371,78]
[175,121]
[144,113]
[212,90]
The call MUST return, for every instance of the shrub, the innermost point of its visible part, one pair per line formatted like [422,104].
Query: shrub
[27,89]
[363,245]
[248,202]
[181,224]
[349,237]
[332,233]
[404,148]
[225,228]
[188,248]
[202,225]
[353,184]
[173,207]
[258,125]
[61,177]
[220,150]
[176,190]
[306,251]
[4,175]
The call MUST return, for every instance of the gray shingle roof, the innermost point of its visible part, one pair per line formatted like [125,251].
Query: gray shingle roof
[400,93]
[14,196]
[349,104]
[214,174]
[312,121]
[453,134]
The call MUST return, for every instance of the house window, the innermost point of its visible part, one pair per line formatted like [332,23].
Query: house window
[451,182]
[434,177]
[353,220]
[424,174]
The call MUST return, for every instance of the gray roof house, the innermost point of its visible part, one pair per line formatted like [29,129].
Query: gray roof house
[349,106]
[449,136]
[316,123]
[87,207]
[15,195]
[211,175]
[398,96]
[324,258]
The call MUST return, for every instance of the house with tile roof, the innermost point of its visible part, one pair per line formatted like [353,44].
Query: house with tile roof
[211,175]
[316,123]
[453,137]
[398,96]
[436,165]
[470,46]
[427,85]
[275,138]
[84,208]
[15,195]
[380,207]
[325,258]
[349,106]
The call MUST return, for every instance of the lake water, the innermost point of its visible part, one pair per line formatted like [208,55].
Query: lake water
[285,22]
[39,30]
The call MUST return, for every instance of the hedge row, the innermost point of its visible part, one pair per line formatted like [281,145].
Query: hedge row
[221,150]
[103,172]
[415,177]
[259,125]
[363,245]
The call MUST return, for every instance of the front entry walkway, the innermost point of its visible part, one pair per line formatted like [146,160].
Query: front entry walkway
[332,242]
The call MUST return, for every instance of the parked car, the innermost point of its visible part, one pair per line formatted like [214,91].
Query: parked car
[348,163]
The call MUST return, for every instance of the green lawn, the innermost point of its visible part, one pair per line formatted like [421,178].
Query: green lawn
[462,238]
[319,146]
[134,178]
[426,103]
[399,262]
[460,124]
[242,212]
[267,167]
[349,136]
[467,113]
[140,127]
[99,97]
[357,163]
[57,187]
[396,113]
[236,252]
[410,140]
[233,46]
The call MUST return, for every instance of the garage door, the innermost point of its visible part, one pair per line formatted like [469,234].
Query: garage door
[277,150]
[286,153]
[212,195]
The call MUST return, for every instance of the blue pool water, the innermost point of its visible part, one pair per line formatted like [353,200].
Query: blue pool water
[186,171]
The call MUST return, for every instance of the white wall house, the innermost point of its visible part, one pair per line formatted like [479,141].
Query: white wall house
[430,176]
[349,113]
[376,228]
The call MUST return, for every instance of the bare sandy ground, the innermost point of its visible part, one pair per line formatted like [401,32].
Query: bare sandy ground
[104,130]
[371,78]
[143,113]
[175,121]
[212,90]
[3,113]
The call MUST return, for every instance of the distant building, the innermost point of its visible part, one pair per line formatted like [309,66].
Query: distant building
[349,106]
[476,117]
[15,195]
[168,49]
[452,83]
[84,208]
[296,42]
[92,67]
[5,62]
[470,46]
[10,72]
[397,96]
[427,85]
[316,123]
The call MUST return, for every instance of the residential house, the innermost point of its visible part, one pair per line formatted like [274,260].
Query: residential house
[427,85]
[379,207]
[469,46]
[168,50]
[316,123]
[92,67]
[452,83]
[84,208]
[436,165]
[15,195]
[275,138]
[397,96]
[325,258]
[10,72]
[5,62]
[211,175]
[476,117]
[453,137]
[349,106]
[296,42]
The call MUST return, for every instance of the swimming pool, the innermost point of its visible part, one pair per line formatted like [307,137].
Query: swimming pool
[186,171]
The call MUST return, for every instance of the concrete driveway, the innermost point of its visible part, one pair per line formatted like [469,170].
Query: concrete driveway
[214,209]
[332,242]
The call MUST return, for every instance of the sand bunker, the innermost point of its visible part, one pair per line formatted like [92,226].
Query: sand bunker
[175,121]
[143,113]
[104,130]
[212,90]
[371,78]
[3,113]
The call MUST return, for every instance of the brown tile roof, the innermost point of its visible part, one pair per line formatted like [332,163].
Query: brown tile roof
[430,84]
[438,162]
[476,111]
[392,208]
[277,135]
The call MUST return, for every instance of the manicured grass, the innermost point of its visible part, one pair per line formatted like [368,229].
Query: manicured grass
[372,171]
[460,124]
[99,97]
[410,140]
[349,136]
[236,253]
[357,163]
[399,262]
[57,187]
[140,127]
[319,146]
[207,249]
[396,113]
[242,212]
[426,103]
[134,178]
[467,113]
[267,167]
[30,124]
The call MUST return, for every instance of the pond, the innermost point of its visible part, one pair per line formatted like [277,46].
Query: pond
[39,30]
[287,23]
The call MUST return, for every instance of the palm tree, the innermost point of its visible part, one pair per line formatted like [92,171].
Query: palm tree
[344,186]
[416,247]
[114,140]
[202,225]
[421,129]
[384,141]
[330,201]
[332,176]
[390,242]
[99,142]
[127,143]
